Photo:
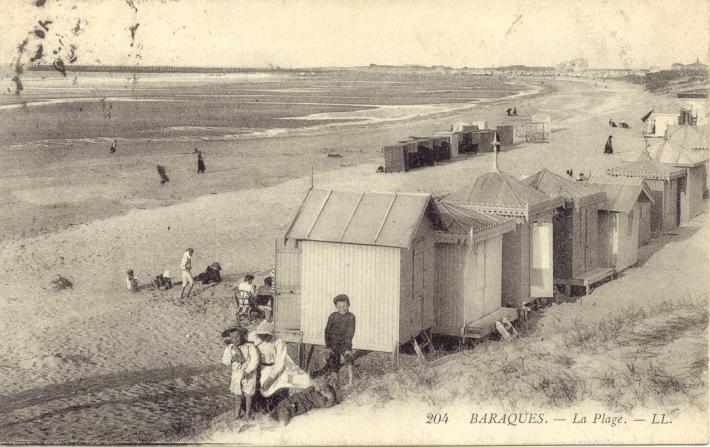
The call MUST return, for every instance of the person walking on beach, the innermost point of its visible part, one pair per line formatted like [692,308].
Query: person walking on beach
[186,267]
[113,147]
[163,176]
[608,148]
[200,162]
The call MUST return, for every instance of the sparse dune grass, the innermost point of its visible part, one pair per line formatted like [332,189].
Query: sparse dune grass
[623,362]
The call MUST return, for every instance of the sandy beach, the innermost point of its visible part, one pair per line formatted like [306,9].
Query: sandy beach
[144,367]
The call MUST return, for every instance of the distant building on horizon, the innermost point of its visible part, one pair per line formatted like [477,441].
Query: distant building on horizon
[575,65]
[697,65]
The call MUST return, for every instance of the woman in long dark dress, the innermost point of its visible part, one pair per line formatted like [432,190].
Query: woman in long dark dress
[608,148]
[200,162]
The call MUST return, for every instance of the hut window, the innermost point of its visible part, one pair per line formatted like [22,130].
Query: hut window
[630,225]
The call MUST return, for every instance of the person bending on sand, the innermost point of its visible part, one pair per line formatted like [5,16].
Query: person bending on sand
[186,267]
[242,356]
[303,402]
[608,148]
[131,282]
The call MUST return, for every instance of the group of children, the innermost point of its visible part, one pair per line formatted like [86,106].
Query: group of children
[249,356]
[161,281]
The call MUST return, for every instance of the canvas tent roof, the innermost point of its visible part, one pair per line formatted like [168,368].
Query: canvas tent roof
[647,168]
[687,136]
[554,185]
[384,219]
[622,193]
[672,153]
[499,191]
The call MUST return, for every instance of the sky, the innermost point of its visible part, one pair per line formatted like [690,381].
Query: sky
[310,33]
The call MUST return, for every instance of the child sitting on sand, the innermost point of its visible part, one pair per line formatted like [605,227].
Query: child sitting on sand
[303,402]
[163,280]
[131,282]
[242,356]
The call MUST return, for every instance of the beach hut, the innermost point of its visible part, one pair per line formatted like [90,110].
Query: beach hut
[452,139]
[692,190]
[442,147]
[690,137]
[538,130]
[506,135]
[658,122]
[378,248]
[527,252]
[468,282]
[483,140]
[575,236]
[395,158]
[620,220]
[666,183]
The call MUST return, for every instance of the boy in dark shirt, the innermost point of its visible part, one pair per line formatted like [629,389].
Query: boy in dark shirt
[339,334]
[304,402]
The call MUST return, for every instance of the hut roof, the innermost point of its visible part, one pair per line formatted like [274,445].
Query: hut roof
[647,168]
[501,193]
[687,136]
[623,192]
[368,218]
[459,219]
[672,153]
[554,185]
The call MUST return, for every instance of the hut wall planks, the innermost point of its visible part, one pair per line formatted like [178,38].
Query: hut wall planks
[449,280]
[369,275]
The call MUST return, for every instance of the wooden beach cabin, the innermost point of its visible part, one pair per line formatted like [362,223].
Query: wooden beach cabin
[378,248]
[576,230]
[666,183]
[451,139]
[527,251]
[468,255]
[691,195]
[620,220]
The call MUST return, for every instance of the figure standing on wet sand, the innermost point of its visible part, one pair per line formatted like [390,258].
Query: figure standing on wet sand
[113,146]
[200,162]
[163,176]
[608,148]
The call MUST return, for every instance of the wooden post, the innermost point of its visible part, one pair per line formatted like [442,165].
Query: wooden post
[301,354]
[395,357]
[308,359]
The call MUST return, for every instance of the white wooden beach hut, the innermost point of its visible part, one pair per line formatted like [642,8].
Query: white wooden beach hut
[526,252]
[378,248]
[620,220]
[692,190]
[468,299]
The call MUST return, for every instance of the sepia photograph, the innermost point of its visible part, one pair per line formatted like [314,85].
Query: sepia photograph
[354,222]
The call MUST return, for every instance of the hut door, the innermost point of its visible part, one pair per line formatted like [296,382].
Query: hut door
[541,259]
[682,202]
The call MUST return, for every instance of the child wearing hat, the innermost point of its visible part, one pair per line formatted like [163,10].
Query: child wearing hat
[243,358]
[339,333]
